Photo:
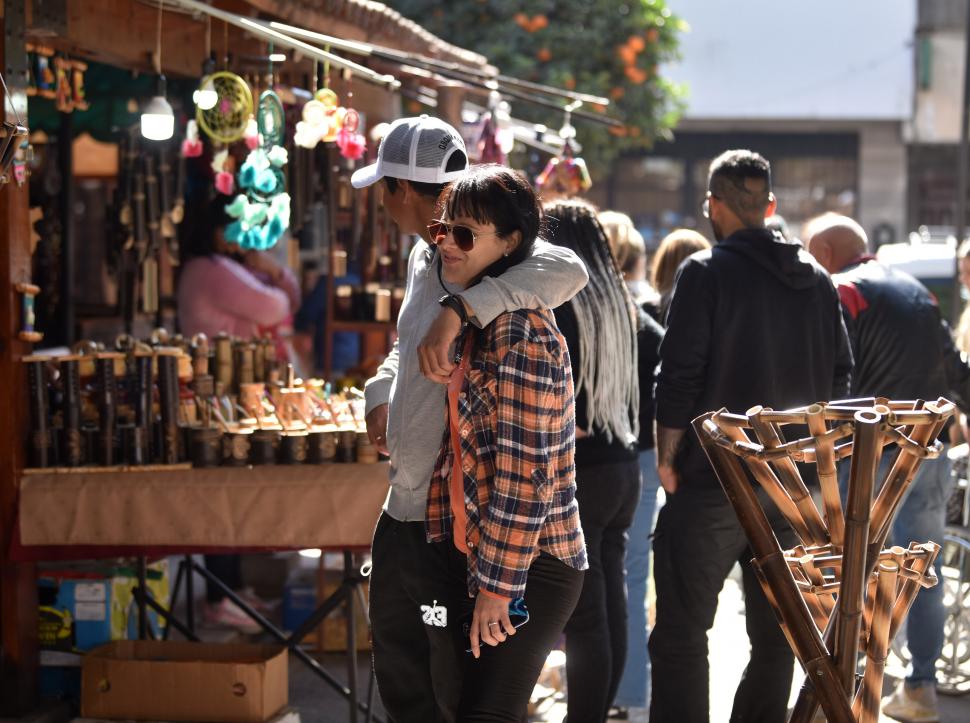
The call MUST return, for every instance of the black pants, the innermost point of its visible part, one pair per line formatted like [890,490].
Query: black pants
[418,598]
[596,632]
[228,569]
[696,542]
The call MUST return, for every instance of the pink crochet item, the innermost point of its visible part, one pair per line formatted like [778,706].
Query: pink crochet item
[352,145]
[225,184]
[191,148]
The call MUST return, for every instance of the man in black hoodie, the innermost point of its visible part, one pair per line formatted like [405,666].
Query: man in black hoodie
[755,320]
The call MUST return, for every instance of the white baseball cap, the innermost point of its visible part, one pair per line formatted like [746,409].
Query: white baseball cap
[415,149]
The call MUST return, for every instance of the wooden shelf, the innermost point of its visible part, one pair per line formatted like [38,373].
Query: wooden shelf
[364,326]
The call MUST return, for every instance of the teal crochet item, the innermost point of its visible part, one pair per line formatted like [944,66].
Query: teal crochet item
[262,210]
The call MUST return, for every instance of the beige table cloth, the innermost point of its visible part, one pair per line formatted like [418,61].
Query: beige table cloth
[298,506]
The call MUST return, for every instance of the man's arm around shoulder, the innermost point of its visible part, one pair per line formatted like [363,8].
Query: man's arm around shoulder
[551,276]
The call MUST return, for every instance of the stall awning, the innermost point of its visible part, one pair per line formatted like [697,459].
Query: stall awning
[378,21]
[472,70]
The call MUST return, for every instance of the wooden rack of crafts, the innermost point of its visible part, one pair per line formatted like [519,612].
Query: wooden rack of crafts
[182,402]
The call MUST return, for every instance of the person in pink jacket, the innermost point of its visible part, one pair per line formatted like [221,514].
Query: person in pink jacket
[221,288]
[224,289]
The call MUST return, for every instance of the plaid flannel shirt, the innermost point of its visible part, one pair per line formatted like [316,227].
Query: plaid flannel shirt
[516,426]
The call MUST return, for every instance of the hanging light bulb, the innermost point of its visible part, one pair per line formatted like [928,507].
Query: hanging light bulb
[206,96]
[157,118]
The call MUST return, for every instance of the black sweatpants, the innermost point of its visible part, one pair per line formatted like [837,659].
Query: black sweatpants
[418,599]
[696,542]
[596,633]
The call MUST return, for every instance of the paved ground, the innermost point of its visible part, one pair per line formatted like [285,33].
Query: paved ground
[317,702]
[729,646]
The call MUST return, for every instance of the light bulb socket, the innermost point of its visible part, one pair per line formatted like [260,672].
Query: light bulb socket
[209,65]
[157,117]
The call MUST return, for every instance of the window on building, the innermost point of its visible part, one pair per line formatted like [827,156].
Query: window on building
[651,189]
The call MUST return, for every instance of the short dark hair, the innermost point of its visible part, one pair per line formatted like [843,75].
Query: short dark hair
[491,193]
[208,216]
[457,161]
[727,181]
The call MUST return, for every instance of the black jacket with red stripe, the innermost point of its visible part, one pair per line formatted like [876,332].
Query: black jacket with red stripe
[903,349]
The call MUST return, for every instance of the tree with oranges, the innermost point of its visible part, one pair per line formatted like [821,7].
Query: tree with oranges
[610,48]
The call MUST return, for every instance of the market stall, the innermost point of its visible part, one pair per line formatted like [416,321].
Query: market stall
[150,451]
[126,433]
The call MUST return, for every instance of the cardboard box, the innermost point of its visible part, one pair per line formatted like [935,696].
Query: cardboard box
[178,681]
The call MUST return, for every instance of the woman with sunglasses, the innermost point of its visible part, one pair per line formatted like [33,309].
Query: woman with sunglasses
[505,513]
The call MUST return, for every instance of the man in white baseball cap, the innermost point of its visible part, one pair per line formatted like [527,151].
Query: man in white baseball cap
[419,649]
[422,149]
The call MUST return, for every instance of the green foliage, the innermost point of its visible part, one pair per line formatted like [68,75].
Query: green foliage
[609,48]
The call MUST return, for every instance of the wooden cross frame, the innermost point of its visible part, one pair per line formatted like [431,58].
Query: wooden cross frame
[839,592]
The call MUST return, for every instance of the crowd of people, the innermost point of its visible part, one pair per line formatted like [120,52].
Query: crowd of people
[539,396]
[554,385]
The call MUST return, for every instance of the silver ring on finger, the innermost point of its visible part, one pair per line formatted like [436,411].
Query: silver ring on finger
[491,624]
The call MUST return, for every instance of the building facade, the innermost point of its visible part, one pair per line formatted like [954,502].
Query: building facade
[764,77]
[937,100]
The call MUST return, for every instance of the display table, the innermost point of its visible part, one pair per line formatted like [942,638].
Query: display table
[164,511]
[273,507]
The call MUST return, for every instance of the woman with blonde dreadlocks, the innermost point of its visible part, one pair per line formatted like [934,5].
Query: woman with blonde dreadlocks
[599,325]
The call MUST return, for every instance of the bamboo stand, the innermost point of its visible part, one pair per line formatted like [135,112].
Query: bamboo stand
[839,592]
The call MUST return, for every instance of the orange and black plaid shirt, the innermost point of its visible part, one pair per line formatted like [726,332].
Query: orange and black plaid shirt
[515,417]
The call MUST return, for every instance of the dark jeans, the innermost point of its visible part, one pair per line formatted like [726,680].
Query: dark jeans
[418,598]
[228,569]
[696,543]
[596,632]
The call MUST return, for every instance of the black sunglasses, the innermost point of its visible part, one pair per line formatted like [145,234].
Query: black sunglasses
[464,237]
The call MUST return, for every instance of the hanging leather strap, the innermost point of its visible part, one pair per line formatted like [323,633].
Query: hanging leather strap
[456,482]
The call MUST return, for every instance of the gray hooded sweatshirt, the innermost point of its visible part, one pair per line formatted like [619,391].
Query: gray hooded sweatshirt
[416,416]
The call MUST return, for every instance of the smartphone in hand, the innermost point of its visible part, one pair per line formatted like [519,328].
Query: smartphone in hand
[518,615]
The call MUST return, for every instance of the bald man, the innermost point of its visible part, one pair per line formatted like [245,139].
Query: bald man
[903,350]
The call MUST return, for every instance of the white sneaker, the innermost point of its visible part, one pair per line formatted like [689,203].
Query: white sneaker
[227,614]
[912,704]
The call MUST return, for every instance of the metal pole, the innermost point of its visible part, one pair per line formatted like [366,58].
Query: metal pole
[143,586]
[275,36]
[960,222]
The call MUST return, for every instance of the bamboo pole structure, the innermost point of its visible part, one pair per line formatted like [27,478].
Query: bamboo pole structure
[925,428]
[831,582]
[865,707]
[817,603]
[827,476]
[861,480]
[776,491]
[904,469]
[777,580]
[815,576]
[907,591]
[792,481]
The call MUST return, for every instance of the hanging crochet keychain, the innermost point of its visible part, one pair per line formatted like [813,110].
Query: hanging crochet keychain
[489,147]
[351,143]
[565,175]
